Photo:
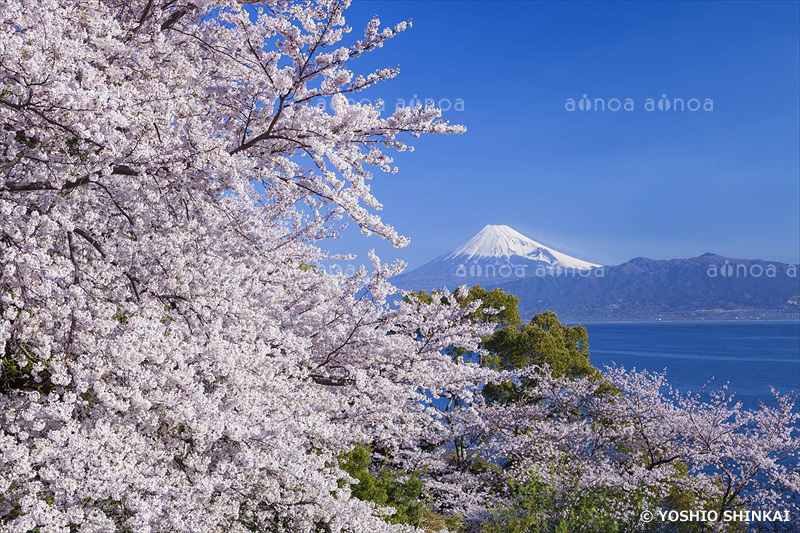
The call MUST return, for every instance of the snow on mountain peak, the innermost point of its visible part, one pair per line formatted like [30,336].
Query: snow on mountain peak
[499,240]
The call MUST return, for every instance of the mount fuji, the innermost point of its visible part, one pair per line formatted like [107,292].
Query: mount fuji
[496,254]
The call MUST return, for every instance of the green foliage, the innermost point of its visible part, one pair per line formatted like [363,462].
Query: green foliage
[494,299]
[73,148]
[385,487]
[435,522]
[543,340]
[537,507]
[419,296]
[21,138]
[17,370]
[680,498]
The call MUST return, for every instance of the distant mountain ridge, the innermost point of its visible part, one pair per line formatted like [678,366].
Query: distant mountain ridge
[699,288]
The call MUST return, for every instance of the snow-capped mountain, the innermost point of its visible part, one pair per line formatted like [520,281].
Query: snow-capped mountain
[497,254]
[501,241]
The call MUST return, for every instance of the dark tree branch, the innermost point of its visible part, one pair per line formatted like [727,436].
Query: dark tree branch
[266,134]
[71,337]
[44,185]
[176,16]
[144,16]
[86,235]
[122,170]
[665,460]
[332,382]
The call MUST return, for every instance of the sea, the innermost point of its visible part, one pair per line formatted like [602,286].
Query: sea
[750,356]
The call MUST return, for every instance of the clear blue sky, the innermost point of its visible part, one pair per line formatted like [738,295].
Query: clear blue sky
[603,186]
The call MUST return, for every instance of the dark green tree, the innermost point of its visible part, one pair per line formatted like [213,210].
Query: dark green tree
[542,341]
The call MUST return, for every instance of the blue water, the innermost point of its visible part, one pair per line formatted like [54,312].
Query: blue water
[751,356]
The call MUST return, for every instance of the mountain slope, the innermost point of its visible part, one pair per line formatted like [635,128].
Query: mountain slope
[705,287]
[496,254]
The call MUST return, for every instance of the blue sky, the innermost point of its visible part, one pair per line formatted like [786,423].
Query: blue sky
[603,186]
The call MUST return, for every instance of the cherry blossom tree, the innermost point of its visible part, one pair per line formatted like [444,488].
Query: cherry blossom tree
[170,361]
[626,444]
